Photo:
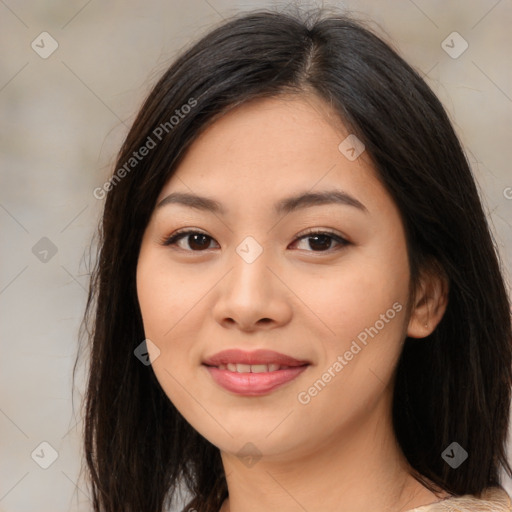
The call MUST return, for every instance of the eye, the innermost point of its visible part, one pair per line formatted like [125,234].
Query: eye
[197,241]
[320,241]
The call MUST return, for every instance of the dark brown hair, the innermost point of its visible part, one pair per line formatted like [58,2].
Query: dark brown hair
[452,386]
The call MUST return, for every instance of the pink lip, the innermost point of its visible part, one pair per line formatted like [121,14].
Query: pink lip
[253,384]
[255,357]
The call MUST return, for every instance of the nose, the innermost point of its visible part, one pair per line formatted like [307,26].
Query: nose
[251,296]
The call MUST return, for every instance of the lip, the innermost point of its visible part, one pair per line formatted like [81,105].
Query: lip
[255,357]
[253,384]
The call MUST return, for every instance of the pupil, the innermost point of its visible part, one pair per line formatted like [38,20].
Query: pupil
[326,239]
[319,242]
[198,245]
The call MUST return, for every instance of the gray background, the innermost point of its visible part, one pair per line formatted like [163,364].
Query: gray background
[62,120]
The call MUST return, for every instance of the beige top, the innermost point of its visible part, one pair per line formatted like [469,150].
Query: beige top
[493,499]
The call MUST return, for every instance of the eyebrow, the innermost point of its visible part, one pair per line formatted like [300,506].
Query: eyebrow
[284,206]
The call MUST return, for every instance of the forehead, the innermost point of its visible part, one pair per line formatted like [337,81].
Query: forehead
[268,147]
[284,128]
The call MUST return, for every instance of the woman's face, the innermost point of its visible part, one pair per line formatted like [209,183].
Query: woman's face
[253,278]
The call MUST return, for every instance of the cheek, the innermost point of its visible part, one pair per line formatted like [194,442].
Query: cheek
[165,294]
[366,310]
[173,300]
[166,301]
[354,295]
[153,299]
[364,306]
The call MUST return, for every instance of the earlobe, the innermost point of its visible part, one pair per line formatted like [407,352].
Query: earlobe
[429,305]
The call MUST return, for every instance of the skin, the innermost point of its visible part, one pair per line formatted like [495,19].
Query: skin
[338,452]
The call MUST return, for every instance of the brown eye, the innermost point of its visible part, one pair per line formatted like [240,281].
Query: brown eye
[198,241]
[195,240]
[321,241]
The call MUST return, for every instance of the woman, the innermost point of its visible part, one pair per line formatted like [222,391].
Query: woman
[297,303]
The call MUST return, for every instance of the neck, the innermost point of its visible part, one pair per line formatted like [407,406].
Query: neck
[358,469]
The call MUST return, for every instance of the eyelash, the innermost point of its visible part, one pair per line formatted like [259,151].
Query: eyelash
[178,235]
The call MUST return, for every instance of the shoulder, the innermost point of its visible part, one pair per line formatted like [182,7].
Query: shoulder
[492,499]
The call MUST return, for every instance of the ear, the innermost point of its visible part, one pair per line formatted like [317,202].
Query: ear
[430,303]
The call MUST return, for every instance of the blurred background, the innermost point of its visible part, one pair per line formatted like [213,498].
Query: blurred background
[72,77]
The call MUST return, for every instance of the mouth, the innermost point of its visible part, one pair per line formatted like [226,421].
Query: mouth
[253,373]
[252,368]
